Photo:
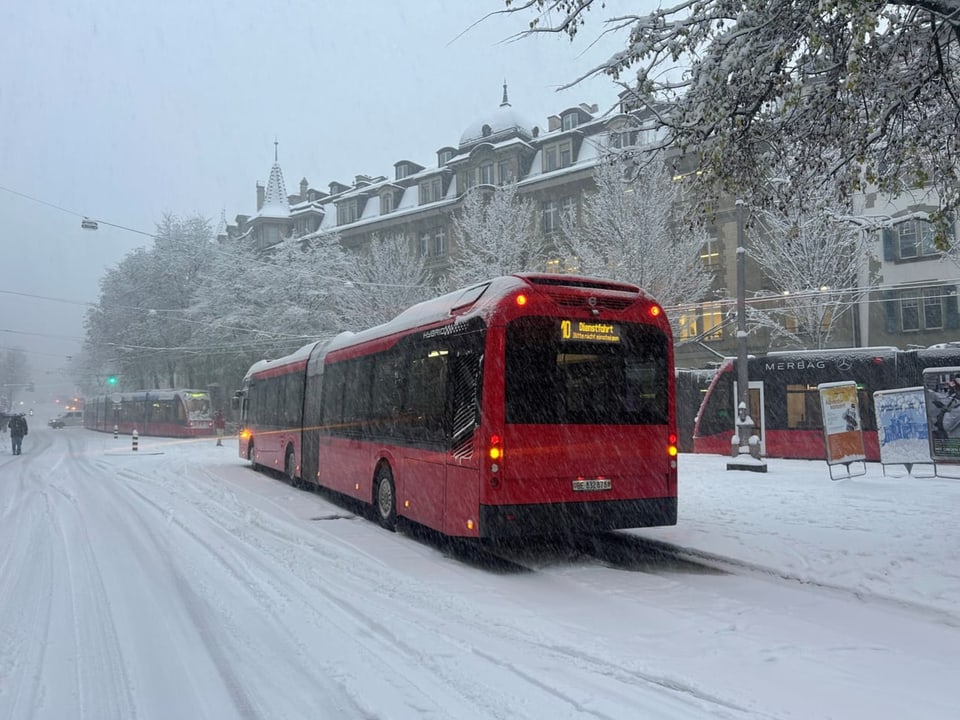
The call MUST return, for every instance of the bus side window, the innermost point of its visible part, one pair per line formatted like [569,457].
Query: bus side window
[424,404]
[387,395]
[465,372]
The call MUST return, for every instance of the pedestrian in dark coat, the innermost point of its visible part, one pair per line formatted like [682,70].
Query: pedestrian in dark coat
[18,431]
[219,423]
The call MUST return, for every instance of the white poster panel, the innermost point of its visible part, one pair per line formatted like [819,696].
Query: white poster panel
[902,426]
[843,433]
[941,387]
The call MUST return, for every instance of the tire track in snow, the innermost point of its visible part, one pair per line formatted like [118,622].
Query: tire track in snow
[448,635]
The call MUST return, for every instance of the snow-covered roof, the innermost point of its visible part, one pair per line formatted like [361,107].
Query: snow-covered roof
[302,354]
[275,203]
[502,121]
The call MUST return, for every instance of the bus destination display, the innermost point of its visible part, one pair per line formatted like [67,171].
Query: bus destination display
[589,331]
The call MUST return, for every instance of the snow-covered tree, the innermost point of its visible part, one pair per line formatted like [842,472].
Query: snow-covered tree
[138,328]
[495,234]
[13,374]
[385,278]
[631,229]
[263,304]
[859,93]
[815,262]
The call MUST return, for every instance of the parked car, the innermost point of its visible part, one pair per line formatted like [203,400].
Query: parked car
[68,419]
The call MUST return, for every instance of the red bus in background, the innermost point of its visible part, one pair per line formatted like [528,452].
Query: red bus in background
[530,404]
[271,402]
[785,402]
[162,413]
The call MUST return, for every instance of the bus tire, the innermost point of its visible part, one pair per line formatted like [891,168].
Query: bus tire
[385,498]
[290,468]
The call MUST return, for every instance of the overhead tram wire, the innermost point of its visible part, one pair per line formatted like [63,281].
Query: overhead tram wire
[345,283]
[812,294]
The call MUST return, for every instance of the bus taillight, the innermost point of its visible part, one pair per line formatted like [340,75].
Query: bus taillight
[495,453]
[496,448]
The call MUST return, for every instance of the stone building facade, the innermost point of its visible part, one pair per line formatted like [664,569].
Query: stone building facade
[914,302]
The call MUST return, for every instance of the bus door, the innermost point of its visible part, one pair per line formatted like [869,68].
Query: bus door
[757,410]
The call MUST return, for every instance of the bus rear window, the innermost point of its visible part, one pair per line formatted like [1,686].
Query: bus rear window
[549,380]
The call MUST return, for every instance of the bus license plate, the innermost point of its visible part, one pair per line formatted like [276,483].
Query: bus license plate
[588,485]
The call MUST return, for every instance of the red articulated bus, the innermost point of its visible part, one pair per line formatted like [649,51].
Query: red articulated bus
[785,402]
[530,404]
[162,413]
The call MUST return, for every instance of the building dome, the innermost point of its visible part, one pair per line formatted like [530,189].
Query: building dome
[503,122]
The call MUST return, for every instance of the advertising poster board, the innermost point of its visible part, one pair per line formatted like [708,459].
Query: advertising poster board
[941,387]
[902,426]
[842,429]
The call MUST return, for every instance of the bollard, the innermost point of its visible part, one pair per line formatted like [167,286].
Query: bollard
[116,432]
[136,437]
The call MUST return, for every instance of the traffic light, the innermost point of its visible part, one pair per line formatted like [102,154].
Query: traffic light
[112,380]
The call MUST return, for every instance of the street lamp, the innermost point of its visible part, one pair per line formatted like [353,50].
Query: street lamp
[745,446]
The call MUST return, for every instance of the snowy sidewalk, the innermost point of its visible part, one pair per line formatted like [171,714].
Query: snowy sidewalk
[893,536]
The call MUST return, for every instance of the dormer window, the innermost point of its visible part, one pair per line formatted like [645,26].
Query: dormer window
[431,190]
[444,156]
[557,155]
[386,203]
[623,138]
[346,212]
[570,121]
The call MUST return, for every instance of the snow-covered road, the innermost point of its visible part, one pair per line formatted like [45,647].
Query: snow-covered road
[176,582]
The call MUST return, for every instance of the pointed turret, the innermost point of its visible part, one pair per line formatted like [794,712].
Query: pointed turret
[275,203]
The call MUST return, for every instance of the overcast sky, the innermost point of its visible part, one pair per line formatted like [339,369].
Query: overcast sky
[125,111]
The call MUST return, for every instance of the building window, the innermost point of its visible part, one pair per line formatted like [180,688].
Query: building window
[710,253]
[910,311]
[485,174]
[918,309]
[711,315]
[550,216]
[910,240]
[557,265]
[932,308]
[402,171]
[424,244]
[623,138]
[570,121]
[687,323]
[440,242]
[386,203]
[346,212]
[568,209]
[549,158]
[503,170]
[445,156]
[431,191]
[558,155]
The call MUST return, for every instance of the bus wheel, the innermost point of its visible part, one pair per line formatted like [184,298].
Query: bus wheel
[290,468]
[385,498]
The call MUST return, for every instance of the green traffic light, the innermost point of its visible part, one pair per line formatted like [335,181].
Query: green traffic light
[112,380]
